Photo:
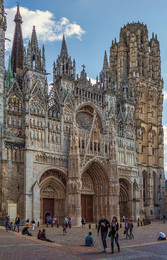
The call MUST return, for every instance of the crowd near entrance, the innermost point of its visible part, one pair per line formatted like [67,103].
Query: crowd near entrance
[52,195]
[95,194]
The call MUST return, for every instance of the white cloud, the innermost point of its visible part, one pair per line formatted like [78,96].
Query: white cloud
[165,95]
[93,81]
[48,29]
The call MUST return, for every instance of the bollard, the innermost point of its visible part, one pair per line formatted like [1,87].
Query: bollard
[120,225]
[38,224]
[138,224]
[52,225]
[70,225]
[141,224]
[89,226]
[57,225]
[96,226]
[47,224]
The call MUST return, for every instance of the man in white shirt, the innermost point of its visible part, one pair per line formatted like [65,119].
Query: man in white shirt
[161,236]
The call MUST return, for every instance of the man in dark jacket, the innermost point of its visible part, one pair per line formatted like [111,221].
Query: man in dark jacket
[17,223]
[103,227]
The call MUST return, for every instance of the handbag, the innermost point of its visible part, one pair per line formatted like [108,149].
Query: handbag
[124,232]
[110,233]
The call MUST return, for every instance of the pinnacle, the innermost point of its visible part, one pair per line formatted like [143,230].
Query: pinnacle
[64,51]
[18,17]
[105,63]
[34,41]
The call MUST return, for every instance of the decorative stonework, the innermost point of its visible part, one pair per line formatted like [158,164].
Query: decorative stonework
[53,173]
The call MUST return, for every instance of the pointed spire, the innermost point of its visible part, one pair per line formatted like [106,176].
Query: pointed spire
[17,49]
[105,63]
[34,41]
[64,51]
[18,17]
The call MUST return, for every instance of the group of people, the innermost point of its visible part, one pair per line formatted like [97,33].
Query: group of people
[104,226]
[129,228]
[42,236]
[15,226]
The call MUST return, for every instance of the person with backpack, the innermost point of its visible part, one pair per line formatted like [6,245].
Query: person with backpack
[114,234]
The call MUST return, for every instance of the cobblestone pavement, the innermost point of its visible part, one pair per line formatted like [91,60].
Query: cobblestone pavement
[143,246]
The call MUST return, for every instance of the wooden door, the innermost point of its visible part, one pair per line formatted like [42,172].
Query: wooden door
[87,208]
[48,208]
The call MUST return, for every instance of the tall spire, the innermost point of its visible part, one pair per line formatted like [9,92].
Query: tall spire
[17,49]
[34,41]
[64,51]
[105,63]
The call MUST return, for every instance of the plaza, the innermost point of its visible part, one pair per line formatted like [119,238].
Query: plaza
[143,246]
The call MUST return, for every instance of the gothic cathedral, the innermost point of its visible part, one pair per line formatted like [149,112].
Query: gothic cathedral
[81,149]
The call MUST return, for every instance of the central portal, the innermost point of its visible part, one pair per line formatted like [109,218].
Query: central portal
[87,208]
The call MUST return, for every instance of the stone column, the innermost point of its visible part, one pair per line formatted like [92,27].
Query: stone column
[36,202]
[28,183]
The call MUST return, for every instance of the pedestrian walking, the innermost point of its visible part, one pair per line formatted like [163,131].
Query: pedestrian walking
[126,228]
[131,226]
[114,234]
[17,224]
[64,228]
[123,218]
[103,227]
[33,224]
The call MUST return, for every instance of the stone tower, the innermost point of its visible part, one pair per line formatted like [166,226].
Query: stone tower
[143,65]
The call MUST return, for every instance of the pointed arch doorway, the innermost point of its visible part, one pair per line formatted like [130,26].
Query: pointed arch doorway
[125,201]
[95,193]
[52,195]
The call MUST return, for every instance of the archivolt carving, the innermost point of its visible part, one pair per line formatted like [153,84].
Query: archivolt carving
[53,173]
[87,183]
[48,192]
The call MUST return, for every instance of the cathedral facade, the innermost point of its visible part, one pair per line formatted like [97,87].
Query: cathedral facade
[81,149]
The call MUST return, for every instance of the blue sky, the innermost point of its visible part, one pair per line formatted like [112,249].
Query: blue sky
[90,27]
